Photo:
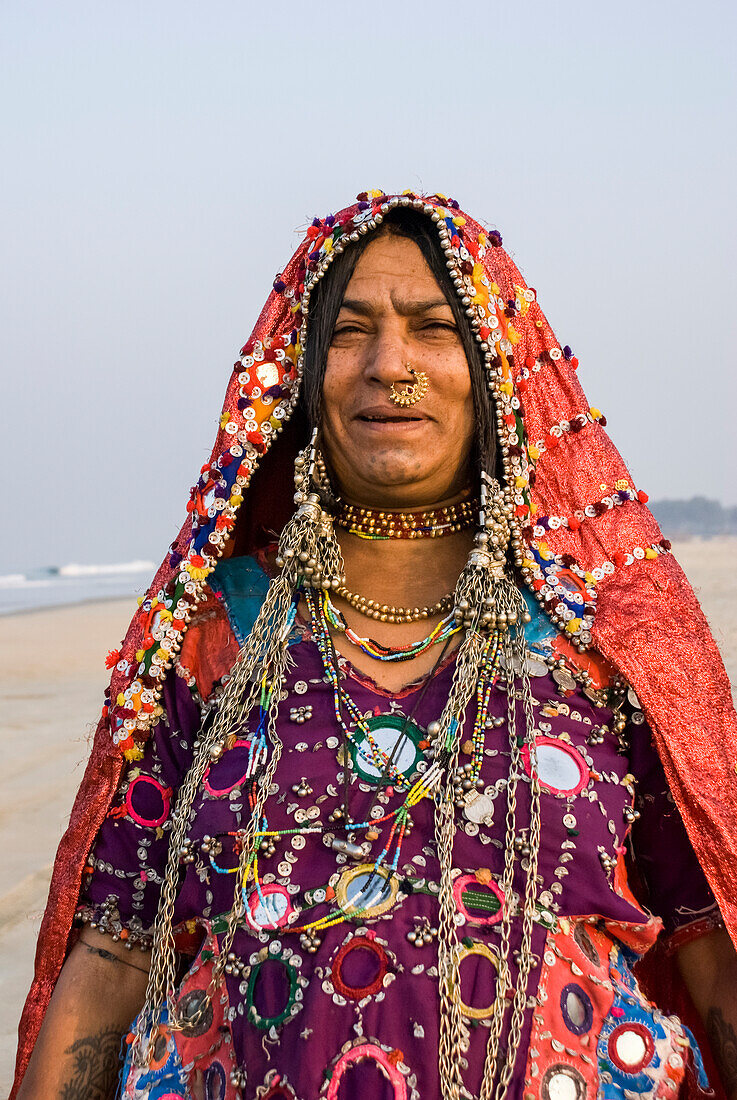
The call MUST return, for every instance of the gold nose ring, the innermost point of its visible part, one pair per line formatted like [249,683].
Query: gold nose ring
[412,392]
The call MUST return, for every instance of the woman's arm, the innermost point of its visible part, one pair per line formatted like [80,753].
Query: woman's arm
[100,990]
[709,969]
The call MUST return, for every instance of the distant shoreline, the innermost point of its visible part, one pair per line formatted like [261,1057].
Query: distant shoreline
[47,609]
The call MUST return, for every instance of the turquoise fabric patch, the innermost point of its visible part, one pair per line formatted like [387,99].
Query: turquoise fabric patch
[243,585]
[540,633]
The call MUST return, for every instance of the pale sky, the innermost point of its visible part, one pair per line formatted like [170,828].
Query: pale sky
[159,158]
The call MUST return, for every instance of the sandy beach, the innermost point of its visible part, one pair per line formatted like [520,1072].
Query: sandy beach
[52,676]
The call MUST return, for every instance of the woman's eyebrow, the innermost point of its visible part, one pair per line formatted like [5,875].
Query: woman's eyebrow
[404,308]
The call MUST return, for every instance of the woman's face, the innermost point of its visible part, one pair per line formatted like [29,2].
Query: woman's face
[394,313]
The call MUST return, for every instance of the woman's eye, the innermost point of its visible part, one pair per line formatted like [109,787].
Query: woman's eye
[343,330]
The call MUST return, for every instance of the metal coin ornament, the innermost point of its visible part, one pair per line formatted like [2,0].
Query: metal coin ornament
[411,393]
[478,807]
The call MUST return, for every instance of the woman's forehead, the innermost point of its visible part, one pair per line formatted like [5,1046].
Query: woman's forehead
[393,273]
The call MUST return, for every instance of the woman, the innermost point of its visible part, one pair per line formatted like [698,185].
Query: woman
[377,765]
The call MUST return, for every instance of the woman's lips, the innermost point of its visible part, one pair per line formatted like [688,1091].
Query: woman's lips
[380,419]
[390,423]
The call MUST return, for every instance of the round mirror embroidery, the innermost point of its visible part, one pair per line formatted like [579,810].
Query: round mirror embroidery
[364,945]
[576,1009]
[560,768]
[269,907]
[561,1082]
[465,951]
[366,891]
[397,738]
[148,801]
[631,1047]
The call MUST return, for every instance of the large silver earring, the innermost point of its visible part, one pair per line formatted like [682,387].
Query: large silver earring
[323,485]
[486,599]
[308,548]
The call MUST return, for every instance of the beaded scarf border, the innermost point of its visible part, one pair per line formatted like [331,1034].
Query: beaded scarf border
[262,396]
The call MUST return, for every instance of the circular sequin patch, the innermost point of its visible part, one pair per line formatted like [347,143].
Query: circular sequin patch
[366,890]
[576,1009]
[481,903]
[560,769]
[195,1012]
[631,1047]
[397,740]
[275,1087]
[355,954]
[465,951]
[562,1082]
[586,944]
[223,770]
[215,1082]
[269,907]
[367,1051]
[275,987]
[148,801]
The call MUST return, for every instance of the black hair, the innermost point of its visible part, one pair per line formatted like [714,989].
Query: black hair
[327,298]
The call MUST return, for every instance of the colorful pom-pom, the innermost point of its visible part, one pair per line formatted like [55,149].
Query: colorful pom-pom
[112,658]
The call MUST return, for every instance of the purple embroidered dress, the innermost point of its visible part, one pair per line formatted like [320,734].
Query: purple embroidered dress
[352,1010]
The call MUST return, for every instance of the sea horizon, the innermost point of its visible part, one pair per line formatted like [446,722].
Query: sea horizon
[73,583]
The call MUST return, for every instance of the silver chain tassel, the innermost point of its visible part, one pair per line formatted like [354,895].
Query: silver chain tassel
[308,554]
[486,602]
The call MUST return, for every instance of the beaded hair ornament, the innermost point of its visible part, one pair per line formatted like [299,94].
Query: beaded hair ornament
[581,537]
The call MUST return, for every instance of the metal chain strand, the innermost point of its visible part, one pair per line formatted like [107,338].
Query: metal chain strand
[507,887]
[308,553]
[514,655]
[526,958]
[162,976]
[483,596]
[448,739]
[486,599]
[248,839]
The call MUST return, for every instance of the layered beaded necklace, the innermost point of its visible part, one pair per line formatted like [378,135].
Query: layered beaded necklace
[441,633]
[432,524]
[389,613]
[374,755]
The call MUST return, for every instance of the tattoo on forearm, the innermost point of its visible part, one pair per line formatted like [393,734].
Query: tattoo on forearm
[110,957]
[96,1065]
[724,1046]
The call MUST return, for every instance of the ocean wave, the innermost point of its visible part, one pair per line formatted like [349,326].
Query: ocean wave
[12,580]
[74,570]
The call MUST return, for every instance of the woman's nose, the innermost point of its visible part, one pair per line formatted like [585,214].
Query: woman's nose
[388,359]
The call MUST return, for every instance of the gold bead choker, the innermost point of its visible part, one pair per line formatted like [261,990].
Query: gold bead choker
[388,613]
[433,524]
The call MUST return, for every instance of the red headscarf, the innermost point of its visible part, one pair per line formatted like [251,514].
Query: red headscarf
[583,525]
